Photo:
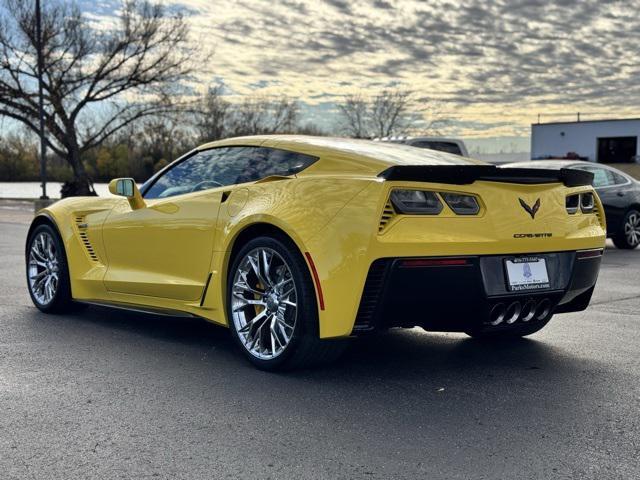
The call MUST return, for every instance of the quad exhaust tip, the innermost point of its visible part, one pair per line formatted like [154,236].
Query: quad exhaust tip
[543,309]
[514,311]
[497,314]
[528,311]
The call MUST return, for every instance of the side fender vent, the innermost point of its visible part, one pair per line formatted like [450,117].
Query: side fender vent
[388,214]
[84,238]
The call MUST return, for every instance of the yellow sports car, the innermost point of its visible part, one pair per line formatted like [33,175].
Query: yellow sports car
[296,243]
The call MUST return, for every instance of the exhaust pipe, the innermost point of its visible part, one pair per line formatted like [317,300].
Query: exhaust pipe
[513,312]
[543,309]
[497,314]
[528,311]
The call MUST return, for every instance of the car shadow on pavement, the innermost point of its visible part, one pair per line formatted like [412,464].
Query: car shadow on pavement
[400,354]
[191,331]
[417,351]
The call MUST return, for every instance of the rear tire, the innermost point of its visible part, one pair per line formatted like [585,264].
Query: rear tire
[47,271]
[272,307]
[628,235]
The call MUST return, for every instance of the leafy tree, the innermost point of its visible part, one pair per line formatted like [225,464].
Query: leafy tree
[18,158]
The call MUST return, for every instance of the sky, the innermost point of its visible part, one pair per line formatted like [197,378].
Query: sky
[487,67]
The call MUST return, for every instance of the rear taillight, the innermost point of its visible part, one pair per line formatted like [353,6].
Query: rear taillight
[461,204]
[416,201]
[573,203]
[587,202]
[584,201]
[424,202]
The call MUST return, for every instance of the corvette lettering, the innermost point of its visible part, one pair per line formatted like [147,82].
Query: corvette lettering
[532,235]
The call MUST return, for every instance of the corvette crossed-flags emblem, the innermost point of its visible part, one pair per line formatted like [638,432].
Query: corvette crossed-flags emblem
[530,210]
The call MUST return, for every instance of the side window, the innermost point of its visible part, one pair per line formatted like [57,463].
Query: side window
[448,147]
[224,166]
[248,164]
[601,176]
[193,174]
[619,179]
[273,161]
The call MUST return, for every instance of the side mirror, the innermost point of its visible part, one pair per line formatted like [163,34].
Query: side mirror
[126,187]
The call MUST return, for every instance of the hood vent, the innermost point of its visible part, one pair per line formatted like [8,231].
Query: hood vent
[82,226]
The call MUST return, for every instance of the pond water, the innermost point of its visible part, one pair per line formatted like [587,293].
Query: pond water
[33,190]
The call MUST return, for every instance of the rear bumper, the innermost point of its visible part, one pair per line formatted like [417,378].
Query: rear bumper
[464,293]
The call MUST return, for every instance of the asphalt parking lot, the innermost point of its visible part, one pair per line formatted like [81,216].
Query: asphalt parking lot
[112,394]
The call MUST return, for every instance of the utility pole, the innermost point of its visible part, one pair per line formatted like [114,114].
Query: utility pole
[43,144]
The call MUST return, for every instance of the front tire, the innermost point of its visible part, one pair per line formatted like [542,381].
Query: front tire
[628,236]
[47,271]
[272,307]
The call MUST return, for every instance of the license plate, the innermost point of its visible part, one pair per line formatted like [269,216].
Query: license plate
[527,273]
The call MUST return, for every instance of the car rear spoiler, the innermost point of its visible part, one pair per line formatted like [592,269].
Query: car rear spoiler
[467,174]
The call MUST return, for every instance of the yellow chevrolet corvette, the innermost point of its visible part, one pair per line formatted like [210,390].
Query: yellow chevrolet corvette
[296,243]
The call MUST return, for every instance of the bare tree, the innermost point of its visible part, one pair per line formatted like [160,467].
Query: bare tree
[249,116]
[258,115]
[212,115]
[429,118]
[284,115]
[97,80]
[310,128]
[354,113]
[391,112]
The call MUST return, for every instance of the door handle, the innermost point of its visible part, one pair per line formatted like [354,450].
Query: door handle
[620,194]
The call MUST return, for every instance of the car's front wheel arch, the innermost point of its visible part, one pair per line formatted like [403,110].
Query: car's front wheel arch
[50,264]
[36,222]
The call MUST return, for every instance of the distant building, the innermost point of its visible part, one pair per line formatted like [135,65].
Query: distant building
[603,141]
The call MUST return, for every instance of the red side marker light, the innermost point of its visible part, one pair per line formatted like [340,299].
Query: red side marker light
[316,279]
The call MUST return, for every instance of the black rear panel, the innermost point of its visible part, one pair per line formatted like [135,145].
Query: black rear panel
[403,292]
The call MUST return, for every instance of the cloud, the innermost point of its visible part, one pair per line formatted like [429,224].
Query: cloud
[480,57]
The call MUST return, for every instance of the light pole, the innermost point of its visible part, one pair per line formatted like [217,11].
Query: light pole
[43,144]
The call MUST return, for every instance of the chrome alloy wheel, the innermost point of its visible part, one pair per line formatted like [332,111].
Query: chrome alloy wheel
[43,268]
[632,229]
[264,303]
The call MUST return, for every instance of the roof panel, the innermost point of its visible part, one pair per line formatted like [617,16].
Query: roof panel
[373,154]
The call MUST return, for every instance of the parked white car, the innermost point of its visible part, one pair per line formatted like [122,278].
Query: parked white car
[442,144]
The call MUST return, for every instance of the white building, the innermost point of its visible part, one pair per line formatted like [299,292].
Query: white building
[603,141]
